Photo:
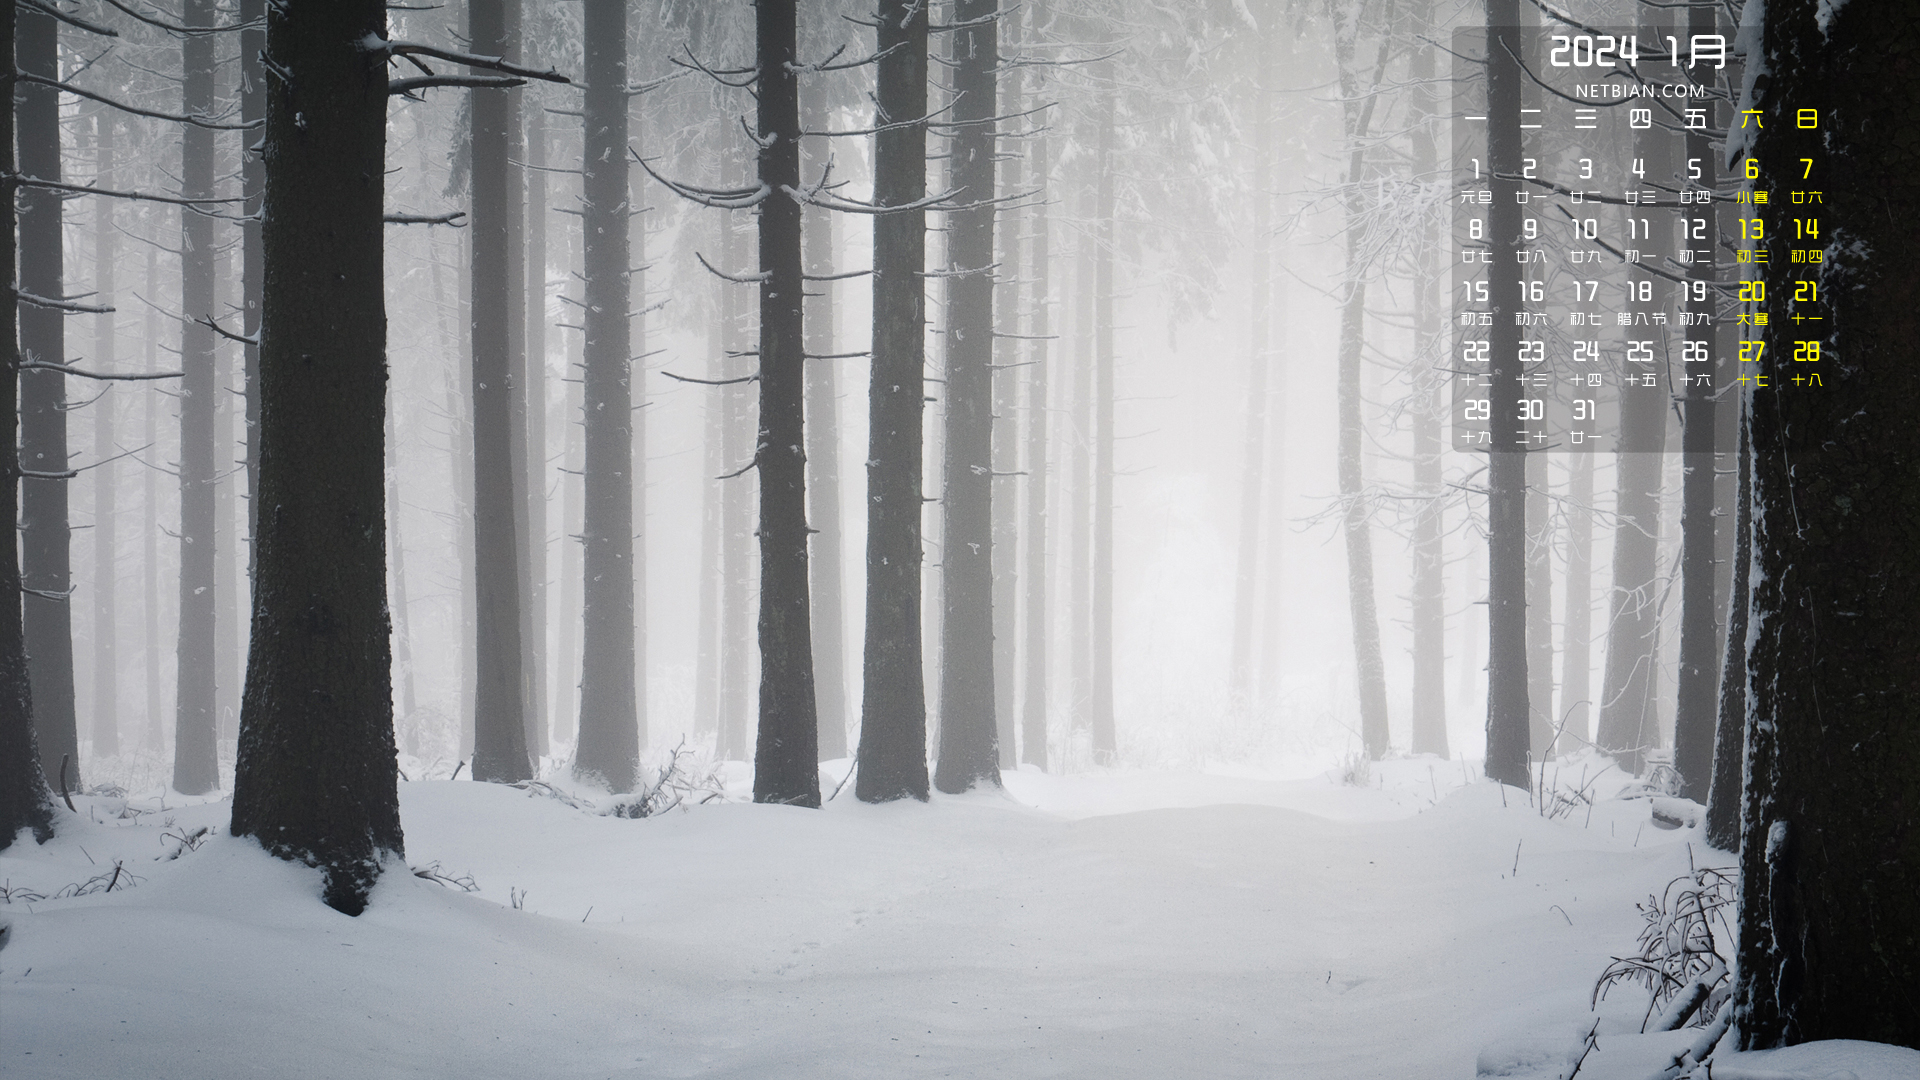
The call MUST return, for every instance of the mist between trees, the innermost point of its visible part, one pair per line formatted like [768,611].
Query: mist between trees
[523,388]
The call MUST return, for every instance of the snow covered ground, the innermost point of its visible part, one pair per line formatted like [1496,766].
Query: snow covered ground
[1094,925]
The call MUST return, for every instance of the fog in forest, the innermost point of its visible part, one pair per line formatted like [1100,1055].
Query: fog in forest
[1104,537]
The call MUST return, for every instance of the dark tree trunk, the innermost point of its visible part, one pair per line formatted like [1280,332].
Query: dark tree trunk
[823,464]
[1696,707]
[1730,734]
[1628,720]
[893,708]
[609,746]
[1100,720]
[1033,712]
[1369,666]
[969,734]
[106,537]
[316,777]
[500,750]
[1830,871]
[24,801]
[253,181]
[1429,704]
[44,537]
[1507,711]
[196,767]
[787,755]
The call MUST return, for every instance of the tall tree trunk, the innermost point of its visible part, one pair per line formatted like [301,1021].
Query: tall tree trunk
[1033,712]
[1628,719]
[106,534]
[1730,735]
[253,182]
[44,537]
[195,758]
[1830,871]
[1540,715]
[155,740]
[520,395]
[1576,659]
[1507,724]
[1696,705]
[707,693]
[736,509]
[1428,711]
[823,463]
[501,728]
[24,802]
[1005,384]
[1100,719]
[1369,666]
[969,733]
[534,329]
[1253,482]
[566,692]
[1078,486]
[462,434]
[892,756]
[316,778]
[230,643]
[787,755]
[609,747]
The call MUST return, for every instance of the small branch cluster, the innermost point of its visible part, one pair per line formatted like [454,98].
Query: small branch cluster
[1680,959]
[676,783]
[433,872]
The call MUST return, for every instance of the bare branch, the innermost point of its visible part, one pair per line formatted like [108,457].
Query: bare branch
[178,118]
[411,49]
[208,322]
[59,305]
[102,376]
[138,196]
[738,279]
[450,218]
[712,382]
[477,82]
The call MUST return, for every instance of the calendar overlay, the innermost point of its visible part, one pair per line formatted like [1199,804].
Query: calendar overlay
[1637,253]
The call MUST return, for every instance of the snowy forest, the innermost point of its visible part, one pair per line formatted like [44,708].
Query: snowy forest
[857,538]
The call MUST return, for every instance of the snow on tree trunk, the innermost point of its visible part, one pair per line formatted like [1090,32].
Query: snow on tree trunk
[1830,889]
[24,798]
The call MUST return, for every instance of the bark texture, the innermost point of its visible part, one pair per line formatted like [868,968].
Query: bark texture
[45,558]
[25,802]
[786,755]
[500,738]
[893,707]
[316,779]
[1830,871]
[1507,711]
[969,750]
[609,746]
